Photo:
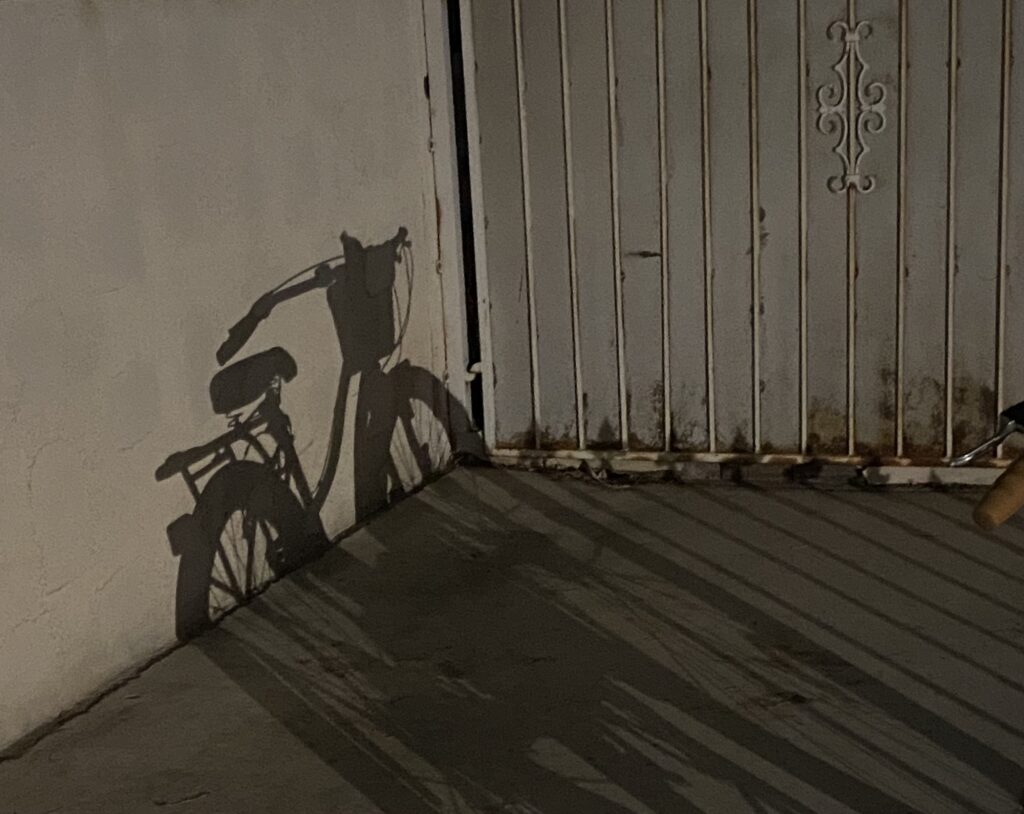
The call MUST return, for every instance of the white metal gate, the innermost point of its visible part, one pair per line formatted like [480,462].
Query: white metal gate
[720,228]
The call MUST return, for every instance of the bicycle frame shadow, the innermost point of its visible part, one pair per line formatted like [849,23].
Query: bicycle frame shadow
[257,516]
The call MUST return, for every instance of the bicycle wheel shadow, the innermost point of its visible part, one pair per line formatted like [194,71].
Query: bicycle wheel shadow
[257,515]
[371,320]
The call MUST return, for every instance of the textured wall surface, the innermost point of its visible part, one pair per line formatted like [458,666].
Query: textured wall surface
[163,164]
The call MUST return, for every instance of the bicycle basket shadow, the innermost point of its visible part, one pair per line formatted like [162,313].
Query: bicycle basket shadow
[256,515]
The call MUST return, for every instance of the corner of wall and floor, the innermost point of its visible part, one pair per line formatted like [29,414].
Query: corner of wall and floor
[164,165]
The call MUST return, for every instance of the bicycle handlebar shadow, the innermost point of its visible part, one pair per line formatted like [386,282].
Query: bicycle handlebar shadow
[256,514]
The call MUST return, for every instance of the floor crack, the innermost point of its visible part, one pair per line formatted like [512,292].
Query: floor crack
[187,799]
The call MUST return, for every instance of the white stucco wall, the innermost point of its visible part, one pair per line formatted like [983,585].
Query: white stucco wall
[162,164]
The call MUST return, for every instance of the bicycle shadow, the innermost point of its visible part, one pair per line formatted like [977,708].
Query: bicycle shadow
[257,514]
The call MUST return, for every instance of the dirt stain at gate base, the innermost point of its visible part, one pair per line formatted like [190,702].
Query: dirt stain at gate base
[974,412]
[924,419]
[553,439]
[884,442]
[827,429]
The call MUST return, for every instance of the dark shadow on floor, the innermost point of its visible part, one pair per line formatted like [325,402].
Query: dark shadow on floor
[509,642]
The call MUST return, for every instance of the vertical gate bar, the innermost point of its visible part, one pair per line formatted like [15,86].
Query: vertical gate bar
[755,222]
[901,229]
[570,207]
[851,319]
[666,360]
[479,232]
[851,247]
[802,141]
[1004,170]
[620,329]
[524,158]
[709,327]
[951,215]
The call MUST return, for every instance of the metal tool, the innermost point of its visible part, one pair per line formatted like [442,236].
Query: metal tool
[1011,420]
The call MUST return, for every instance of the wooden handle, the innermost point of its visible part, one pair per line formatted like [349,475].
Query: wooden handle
[1004,498]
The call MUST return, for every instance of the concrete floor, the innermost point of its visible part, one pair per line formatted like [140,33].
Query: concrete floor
[507,642]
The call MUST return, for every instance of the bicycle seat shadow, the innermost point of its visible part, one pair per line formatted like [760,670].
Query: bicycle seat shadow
[246,380]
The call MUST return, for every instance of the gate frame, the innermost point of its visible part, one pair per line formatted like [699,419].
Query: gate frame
[892,470]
